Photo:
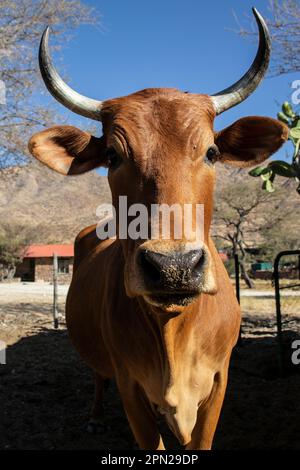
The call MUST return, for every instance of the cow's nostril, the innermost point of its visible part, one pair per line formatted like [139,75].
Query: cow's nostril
[199,262]
[149,266]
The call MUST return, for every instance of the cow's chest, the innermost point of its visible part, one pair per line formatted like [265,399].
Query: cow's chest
[177,386]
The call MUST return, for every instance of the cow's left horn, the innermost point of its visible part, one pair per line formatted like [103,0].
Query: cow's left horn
[238,92]
[60,90]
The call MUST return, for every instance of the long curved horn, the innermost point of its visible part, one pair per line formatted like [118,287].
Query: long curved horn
[240,90]
[60,90]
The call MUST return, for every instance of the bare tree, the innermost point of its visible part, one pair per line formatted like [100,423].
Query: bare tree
[245,217]
[283,21]
[13,242]
[21,25]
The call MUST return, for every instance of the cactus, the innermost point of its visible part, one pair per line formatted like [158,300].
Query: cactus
[279,167]
[288,110]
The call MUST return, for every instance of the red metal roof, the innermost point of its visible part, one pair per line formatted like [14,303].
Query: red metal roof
[223,256]
[47,251]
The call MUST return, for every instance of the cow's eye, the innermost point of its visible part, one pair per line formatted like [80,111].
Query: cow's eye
[212,154]
[113,158]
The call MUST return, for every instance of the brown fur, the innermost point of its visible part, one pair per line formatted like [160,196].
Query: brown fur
[171,360]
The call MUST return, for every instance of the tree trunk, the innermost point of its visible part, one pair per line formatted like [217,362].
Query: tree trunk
[11,271]
[245,276]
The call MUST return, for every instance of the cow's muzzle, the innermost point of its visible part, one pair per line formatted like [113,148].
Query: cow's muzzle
[173,278]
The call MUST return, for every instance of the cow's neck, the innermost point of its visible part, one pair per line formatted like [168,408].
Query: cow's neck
[175,329]
[176,332]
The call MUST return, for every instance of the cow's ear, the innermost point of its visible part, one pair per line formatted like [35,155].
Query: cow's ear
[250,140]
[68,150]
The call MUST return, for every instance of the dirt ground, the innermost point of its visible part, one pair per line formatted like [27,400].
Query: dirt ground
[46,390]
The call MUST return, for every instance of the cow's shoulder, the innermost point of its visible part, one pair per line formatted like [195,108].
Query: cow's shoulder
[85,242]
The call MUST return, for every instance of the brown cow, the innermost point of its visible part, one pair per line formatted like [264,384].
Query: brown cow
[160,316]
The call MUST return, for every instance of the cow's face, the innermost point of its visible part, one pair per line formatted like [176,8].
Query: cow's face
[160,148]
[158,143]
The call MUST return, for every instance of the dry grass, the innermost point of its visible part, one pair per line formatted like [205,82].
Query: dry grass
[261,305]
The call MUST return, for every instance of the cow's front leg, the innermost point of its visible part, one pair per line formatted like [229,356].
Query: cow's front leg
[208,415]
[140,415]
[96,422]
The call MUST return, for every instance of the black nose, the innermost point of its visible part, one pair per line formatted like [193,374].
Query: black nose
[174,272]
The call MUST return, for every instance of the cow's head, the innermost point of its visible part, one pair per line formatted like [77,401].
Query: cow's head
[160,148]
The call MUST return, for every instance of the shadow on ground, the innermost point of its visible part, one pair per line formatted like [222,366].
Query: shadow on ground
[46,392]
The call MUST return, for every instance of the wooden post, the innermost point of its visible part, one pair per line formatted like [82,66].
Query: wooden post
[55,301]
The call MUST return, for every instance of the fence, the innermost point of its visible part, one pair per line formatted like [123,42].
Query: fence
[272,308]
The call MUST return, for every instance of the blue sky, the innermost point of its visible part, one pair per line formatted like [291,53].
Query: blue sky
[169,43]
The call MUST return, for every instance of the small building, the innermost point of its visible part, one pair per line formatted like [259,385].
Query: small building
[262,266]
[37,264]
[262,270]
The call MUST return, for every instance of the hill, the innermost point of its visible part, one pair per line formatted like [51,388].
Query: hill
[54,208]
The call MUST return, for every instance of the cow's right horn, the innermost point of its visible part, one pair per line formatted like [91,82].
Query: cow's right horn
[60,90]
